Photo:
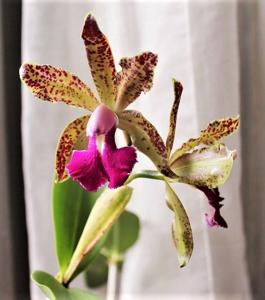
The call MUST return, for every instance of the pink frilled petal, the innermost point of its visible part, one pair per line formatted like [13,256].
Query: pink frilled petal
[118,163]
[214,218]
[86,167]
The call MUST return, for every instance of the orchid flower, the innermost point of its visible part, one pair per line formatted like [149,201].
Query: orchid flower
[203,162]
[86,150]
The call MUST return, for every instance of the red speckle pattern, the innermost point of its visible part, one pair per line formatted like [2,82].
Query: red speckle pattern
[173,116]
[215,131]
[57,85]
[100,60]
[136,77]
[219,129]
[146,138]
[71,139]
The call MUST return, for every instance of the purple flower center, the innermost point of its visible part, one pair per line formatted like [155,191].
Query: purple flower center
[102,162]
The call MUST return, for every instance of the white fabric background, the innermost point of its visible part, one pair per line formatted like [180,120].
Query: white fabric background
[197,43]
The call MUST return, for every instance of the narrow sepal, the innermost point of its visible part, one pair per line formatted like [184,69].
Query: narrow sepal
[145,138]
[100,60]
[57,85]
[181,228]
[73,137]
[173,116]
[215,131]
[136,77]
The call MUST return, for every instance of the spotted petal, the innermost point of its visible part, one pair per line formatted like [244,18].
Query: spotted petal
[72,137]
[136,77]
[209,166]
[146,138]
[181,228]
[173,116]
[100,60]
[57,85]
[215,131]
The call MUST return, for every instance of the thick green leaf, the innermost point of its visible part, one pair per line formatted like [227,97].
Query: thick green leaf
[96,273]
[181,228]
[105,212]
[55,291]
[71,208]
[90,257]
[122,236]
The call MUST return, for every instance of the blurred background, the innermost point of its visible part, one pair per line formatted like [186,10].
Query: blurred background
[216,49]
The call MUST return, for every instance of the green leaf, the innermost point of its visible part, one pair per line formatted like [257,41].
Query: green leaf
[181,228]
[71,208]
[105,212]
[96,273]
[55,291]
[121,237]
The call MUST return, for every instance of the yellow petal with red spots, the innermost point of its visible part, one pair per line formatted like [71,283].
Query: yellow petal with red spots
[145,138]
[72,138]
[215,131]
[100,60]
[136,77]
[57,85]
[173,116]
[181,228]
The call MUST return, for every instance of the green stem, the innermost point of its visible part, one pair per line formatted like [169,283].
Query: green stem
[149,174]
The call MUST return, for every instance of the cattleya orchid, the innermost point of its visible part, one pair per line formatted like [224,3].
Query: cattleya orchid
[203,162]
[87,151]
[101,161]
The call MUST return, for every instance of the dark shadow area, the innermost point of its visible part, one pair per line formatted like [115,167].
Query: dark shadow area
[252,87]
[14,249]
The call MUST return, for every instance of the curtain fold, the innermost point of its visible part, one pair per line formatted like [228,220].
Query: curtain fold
[215,59]
[251,24]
